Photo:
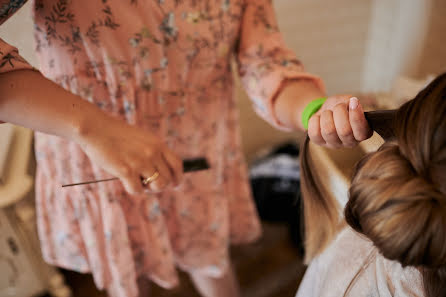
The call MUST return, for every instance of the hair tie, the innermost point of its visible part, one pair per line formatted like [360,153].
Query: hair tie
[311,109]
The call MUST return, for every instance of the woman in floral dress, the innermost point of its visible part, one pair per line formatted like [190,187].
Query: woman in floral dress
[128,88]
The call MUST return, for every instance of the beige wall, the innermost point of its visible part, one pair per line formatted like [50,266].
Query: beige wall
[329,37]
[433,57]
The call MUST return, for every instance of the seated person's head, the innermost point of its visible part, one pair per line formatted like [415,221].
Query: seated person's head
[398,194]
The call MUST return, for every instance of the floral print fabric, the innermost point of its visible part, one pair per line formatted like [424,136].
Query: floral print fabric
[164,65]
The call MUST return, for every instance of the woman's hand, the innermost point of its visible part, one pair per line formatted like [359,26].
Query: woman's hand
[129,153]
[339,123]
[31,100]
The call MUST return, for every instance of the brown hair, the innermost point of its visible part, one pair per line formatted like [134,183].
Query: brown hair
[398,194]
[321,212]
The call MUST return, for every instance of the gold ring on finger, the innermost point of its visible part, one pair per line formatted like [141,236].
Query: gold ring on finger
[150,179]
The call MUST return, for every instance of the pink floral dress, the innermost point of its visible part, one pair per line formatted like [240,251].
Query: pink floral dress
[164,65]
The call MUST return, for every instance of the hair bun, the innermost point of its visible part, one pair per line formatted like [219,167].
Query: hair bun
[398,209]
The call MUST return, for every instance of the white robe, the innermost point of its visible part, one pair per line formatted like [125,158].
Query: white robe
[351,266]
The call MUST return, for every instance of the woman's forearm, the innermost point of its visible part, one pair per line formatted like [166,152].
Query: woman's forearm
[29,99]
[291,101]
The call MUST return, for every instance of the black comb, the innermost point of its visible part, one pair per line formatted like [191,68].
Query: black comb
[189,165]
[197,164]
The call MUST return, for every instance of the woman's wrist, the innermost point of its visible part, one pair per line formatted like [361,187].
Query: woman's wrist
[88,120]
[293,99]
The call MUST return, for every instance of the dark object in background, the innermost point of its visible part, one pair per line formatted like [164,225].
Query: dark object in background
[275,182]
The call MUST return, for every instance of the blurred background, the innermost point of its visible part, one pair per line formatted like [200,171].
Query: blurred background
[384,51]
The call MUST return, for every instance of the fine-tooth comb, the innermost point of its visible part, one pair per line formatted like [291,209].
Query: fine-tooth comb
[189,165]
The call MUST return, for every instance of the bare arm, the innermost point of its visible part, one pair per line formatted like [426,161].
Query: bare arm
[292,100]
[28,99]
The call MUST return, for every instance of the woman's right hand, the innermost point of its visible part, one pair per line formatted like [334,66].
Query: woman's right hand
[31,100]
[129,153]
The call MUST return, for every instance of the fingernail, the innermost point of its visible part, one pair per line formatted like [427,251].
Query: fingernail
[354,102]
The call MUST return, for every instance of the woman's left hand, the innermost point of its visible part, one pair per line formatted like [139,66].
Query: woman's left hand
[339,123]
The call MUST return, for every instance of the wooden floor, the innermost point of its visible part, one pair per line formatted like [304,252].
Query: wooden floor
[268,268]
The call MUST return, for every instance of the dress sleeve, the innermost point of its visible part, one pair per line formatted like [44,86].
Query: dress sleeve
[10,58]
[264,61]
